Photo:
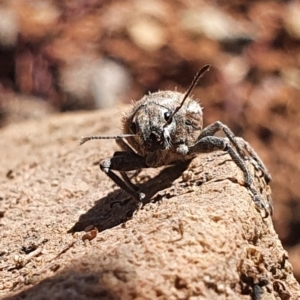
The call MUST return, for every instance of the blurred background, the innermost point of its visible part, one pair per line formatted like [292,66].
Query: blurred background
[61,55]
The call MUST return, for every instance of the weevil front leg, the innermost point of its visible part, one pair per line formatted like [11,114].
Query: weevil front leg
[124,146]
[255,159]
[239,143]
[124,161]
[209,144]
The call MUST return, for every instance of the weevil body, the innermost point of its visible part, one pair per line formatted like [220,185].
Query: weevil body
[159,143]
[166,127]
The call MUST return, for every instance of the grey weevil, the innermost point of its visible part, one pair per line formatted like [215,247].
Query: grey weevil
[167,127]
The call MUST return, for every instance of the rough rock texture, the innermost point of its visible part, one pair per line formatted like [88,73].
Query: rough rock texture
[95,53]
[201,238]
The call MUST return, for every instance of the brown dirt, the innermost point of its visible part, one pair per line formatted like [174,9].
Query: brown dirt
[199,239]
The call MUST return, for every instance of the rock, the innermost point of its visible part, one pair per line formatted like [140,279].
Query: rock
[199,236]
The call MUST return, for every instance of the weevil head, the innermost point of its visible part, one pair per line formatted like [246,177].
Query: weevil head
[156,127]
[148,124]
[165,119]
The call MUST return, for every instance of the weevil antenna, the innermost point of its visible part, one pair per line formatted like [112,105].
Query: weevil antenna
[84,139]
[200,73]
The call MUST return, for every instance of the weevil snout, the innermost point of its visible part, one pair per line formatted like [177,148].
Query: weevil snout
[155,137]
[155,140]
[149,123]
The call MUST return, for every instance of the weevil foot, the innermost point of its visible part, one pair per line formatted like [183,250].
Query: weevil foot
[259,202]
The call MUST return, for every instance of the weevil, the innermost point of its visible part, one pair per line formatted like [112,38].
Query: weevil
[167,127]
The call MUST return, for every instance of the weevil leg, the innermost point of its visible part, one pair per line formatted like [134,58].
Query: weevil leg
[209,144]
[257,292]
[239,143]
[218,126]
[128,181]
[128,152]
[248,181]
[124,161]
[257,162]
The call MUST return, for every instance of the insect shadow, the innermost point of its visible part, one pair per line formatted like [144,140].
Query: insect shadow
[116,207]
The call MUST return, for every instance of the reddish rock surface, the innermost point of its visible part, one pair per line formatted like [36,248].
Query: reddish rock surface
[200,237]
[85,54]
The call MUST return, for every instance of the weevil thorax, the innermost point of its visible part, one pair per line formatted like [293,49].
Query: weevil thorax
[155,127]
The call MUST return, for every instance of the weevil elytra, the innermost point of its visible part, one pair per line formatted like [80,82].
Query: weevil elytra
[167,127]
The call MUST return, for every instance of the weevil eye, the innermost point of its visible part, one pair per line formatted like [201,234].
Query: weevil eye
[133,127]
[168,116]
